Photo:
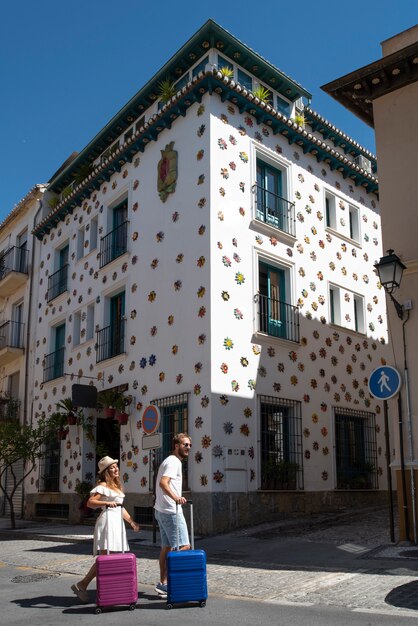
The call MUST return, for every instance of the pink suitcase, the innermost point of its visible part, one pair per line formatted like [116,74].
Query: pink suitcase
[116,579]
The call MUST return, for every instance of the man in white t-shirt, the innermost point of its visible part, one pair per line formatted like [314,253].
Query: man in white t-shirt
[168,490]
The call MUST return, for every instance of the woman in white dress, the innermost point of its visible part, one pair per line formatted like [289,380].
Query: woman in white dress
[108,492]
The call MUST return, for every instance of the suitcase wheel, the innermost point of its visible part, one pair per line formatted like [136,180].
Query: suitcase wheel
[168,606]
[202,603]
[132,607]
[98,610]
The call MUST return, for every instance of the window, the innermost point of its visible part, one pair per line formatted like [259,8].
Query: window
[90,322]
[77,328]
[330,213]
[140,123]
[283,106]
[111,338]
[346,308]
[224,63]
[94,229]
[276,317]
[57,282]
[17,326]
[115,243]
[200,66]
[346,223]
[245,80]
[354,223]
[271,206]
[281,443]
[355,449]
[128,134]
[80,243]
[182,82]
[174,419]
[50,466]
[54,362]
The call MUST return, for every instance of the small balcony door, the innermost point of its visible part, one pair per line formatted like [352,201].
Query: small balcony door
[273,298]
[269,195]
[117,328]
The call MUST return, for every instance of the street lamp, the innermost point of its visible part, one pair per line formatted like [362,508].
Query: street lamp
[390,269]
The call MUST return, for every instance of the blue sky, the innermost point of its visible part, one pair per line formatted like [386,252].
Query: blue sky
[67,68]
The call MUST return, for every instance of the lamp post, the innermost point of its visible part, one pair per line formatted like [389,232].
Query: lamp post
[390,269]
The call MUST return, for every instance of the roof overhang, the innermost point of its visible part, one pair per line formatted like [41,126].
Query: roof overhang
[357,90]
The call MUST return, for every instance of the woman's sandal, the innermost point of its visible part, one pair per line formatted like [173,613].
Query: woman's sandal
[81,594]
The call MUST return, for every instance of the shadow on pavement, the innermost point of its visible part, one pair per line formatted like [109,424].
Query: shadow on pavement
[46,602]
[404,596]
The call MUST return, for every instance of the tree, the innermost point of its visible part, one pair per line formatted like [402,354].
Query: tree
[19,443]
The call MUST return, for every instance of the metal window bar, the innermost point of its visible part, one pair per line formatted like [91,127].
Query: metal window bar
[11,334]
[277,318]
[111,340]
[274,210]
[114,244]
[14,260]
[49,467]
[281,443]
[54,365]
[174,419]
[355,449]
[10,409]
[58,283]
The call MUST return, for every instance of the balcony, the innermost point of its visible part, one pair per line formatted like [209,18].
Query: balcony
[13,270]
[111,341]
[277,318]
[57,283]
[11,341]
[54,365]
[274,211]
[114,244]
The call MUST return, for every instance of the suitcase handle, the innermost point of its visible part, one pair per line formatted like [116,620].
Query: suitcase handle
[191,523]
[107,507]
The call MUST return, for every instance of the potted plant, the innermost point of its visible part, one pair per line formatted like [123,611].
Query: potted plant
[263,94]
[120,405]
[107,400]
[226,71]
[66,407]
[58,423]
[166,90]
[300,119]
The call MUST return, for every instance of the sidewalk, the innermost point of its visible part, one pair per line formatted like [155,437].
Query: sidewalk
[343,560]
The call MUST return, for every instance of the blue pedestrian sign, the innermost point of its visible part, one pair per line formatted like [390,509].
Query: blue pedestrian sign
[384,382]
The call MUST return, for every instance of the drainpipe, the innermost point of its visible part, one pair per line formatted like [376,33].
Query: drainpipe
[28,326]
[410,434]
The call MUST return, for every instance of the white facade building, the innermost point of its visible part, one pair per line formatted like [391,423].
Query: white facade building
[213,257]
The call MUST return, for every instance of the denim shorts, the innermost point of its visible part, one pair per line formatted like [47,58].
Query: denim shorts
[168,532]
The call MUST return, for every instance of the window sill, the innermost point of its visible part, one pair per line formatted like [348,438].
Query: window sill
[259,337]
[272,231]
[352,242]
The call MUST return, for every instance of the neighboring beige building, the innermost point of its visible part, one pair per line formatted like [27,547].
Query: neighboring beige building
[18,296]
[385,95]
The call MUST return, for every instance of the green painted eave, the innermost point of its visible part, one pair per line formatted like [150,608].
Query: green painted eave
[211,82]
[210,35]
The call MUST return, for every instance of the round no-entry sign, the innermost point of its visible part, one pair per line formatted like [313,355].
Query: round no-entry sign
[151,419]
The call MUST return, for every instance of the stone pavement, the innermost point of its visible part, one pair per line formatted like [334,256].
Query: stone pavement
[343,560]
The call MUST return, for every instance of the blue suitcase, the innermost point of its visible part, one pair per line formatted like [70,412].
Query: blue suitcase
[186,573]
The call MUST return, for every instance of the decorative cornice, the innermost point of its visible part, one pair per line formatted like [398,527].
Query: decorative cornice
[33,194]
[357,90]
[209,81]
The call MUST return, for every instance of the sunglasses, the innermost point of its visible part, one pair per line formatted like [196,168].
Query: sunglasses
[187,445]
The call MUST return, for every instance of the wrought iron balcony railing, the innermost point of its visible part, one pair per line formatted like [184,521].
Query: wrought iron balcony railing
[274,210]
[54,365]
[12,335]
[111,341]
[14,260]
[114,244]
[277,318]
[58,283]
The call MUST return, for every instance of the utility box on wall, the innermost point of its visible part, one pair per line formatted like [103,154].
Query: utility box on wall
[235,465]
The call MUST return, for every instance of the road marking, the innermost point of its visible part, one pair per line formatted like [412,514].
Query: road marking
[394,611]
